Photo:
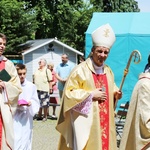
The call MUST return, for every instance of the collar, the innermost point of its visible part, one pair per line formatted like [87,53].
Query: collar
[94,68]
[3,58]
[62,64]
[98,70]
[44,68]
[144,75]
[24,83]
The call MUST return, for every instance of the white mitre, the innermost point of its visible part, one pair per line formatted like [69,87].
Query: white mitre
[103,36]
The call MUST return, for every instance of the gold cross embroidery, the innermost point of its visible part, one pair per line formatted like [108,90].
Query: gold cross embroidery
[106,33]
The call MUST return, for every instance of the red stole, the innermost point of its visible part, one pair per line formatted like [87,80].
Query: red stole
[2,66]
[101,82]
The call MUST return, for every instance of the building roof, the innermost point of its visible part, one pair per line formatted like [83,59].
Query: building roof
[35,44]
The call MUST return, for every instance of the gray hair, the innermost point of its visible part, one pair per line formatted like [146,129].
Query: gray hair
[44,60]
[67,55]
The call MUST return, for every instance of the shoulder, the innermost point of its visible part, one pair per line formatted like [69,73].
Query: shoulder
[84,63]
[10,67]
[82,67]
[72,65]
[48,71]
[60,65]
[36,71]
[30,85]
[8,62]
[107,68]
[144,79]
[53,72]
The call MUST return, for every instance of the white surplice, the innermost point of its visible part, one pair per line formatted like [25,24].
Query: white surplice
[23,118]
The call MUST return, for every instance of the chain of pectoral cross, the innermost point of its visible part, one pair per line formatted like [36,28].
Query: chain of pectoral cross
[100,83]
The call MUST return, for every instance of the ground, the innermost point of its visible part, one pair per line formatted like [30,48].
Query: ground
[45,136]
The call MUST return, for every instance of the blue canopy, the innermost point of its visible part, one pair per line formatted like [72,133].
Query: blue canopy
[132,32]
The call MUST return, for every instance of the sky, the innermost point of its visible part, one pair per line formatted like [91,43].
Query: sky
[144,5]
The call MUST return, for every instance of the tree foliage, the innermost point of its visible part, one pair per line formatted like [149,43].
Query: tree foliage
[17,23]
[65,19]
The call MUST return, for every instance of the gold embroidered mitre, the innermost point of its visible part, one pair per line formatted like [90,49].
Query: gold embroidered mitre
[103,36]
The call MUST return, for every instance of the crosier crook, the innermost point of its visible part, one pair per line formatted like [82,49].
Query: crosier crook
[137,58]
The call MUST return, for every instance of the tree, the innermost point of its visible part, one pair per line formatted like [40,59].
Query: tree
[116,5]
[73,22]
[46,11]
[17,23]
[67,20]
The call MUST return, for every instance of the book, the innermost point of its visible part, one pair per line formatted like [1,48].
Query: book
[22,102]
[4,75]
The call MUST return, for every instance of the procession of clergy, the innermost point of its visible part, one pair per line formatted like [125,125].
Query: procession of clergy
[86,120]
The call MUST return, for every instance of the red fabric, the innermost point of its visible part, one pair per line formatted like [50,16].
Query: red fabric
[54,79]
[1,124]
[2,65]
[54,100]
[101,82]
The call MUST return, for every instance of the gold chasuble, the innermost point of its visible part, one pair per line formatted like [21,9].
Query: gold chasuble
[8,103]
[101,82]
[96,129]
[136,132]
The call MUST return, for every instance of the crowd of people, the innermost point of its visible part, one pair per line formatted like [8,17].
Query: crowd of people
[22,101]
[87,93]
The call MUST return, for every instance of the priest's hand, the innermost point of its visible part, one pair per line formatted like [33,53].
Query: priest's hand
[118,95]
[99,95]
